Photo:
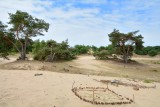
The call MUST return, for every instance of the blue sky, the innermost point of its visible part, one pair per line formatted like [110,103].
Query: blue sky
[89,22]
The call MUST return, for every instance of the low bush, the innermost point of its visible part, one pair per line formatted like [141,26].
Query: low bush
[52,51]
[152,53]
[102,55]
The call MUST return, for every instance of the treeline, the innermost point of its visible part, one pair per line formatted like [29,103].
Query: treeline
[46,50]
[41,49]
[149,50]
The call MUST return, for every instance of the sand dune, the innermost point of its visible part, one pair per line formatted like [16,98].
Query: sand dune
[35,88]
[19,88]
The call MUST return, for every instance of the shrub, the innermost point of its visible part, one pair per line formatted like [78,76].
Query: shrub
[53,51]
[152,53]
[64,54]
[101,55]
[41,54]
[81,49]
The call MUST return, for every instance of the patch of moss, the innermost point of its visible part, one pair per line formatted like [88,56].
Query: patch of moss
[147,81]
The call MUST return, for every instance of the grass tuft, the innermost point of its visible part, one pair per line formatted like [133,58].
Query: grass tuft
[147,81]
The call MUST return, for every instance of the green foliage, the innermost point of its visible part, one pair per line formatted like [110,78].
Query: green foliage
[37,45]
[102,55]
[149,50]
[104,52]
[45,51]
[64,55]
[5,45]
[147,81]
[123,44]
[110,49]
[25,26]
[81,49]
[94,48]
[101,48]
[152,53]
[41,54]
[141,52]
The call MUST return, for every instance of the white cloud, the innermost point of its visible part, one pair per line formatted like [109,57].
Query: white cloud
[93,1]
[84,25]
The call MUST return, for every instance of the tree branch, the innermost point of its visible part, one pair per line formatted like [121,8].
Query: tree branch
[12,43]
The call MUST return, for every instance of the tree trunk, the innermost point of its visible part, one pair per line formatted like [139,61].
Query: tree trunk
[125,58]
[23,51]
[23,55]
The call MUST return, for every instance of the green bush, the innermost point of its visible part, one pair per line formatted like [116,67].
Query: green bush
[102,55]
[51,50]
[80,49]
[64,55]
[149,50]
[152,53]
[141,52]
[41,54]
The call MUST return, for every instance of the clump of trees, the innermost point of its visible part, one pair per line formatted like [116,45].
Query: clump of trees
[18,38]
[51,51]
[123,45]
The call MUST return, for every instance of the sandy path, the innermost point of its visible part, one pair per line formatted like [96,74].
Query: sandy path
[89,62]
[19,88]
[4,61]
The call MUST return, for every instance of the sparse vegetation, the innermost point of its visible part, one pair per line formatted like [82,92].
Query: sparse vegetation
[147,81]
[103,54]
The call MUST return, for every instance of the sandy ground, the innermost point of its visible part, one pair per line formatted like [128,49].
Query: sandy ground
[21,88]
[145,67]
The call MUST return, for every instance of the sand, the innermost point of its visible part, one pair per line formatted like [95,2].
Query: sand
[21,88]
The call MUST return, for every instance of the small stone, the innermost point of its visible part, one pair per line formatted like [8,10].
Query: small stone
[135,88]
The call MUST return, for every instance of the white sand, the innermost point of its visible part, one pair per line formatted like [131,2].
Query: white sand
[19,88]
